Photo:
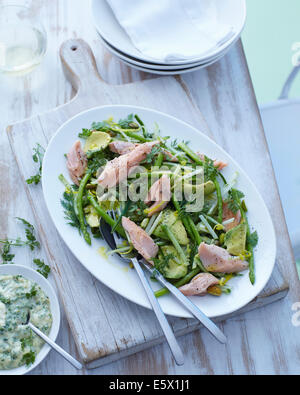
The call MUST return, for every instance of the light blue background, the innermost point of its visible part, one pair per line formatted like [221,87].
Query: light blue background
[271,29]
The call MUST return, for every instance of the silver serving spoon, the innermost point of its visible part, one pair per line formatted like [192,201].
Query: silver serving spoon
[197,313]
[113,239]
[53,345]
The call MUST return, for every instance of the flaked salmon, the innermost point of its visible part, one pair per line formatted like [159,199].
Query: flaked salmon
[118,169]
[199,285]
[141,241]
[218,164]
[218,260]
[160,194]
[76,162]
[122,147]
[228,214]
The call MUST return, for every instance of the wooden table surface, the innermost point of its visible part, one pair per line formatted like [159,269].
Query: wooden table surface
[265,341]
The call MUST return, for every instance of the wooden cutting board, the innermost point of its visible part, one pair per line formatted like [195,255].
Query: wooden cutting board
[106,326]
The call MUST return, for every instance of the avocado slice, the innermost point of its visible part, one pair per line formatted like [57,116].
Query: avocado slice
[235,239]
[209,188]
[171,219]
[172,269]
[97,141]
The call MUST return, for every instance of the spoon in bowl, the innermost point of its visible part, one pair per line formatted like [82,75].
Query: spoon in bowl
[53,345]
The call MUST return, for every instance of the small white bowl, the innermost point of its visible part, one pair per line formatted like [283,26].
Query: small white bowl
[45,285]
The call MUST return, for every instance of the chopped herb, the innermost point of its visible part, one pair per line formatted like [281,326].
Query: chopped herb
[233,200]
[44,269]
[252,239]
[27,342]
[32,293]
[4,300]
[210,172]
[38,155]
[136,211]
[174,143]
[162,262]
[86,133]
[125,123]
[101,126]
[29,358]
[151,156]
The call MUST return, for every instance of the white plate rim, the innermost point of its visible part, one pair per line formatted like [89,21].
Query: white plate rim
[46,286]
[139,56]
[177,72]
[152,66]
[144,303]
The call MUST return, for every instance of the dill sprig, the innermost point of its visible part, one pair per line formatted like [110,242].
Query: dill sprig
[68,203]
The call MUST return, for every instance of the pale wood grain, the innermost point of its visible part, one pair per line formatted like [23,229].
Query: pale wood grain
[82,296]
[265,332]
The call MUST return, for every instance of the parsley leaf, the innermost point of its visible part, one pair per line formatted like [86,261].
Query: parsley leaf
[252,239]
[44,269]
[29,358]
[38,155]
[30,236]
[96,160]
[86,133]
[5,253]
[30,241]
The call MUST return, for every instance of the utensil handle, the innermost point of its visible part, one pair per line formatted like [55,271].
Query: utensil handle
[207,322]
[165,326]
[57,348]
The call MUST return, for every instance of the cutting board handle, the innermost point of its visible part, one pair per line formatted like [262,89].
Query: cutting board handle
[79,65]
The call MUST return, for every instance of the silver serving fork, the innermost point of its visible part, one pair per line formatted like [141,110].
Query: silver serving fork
[165,326]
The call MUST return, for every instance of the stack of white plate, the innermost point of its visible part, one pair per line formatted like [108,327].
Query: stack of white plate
[116,40]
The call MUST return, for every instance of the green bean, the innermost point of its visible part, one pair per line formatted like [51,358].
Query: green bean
[159,160]
[175,243]
[250,249]
[141,124]
[132,135]
[65,182]
[107,218]
[139,120]
[190,153]
[220,201]
[185,280]
[193,228]
[79,206]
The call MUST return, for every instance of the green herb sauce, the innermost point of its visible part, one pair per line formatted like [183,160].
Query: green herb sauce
[18,344]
